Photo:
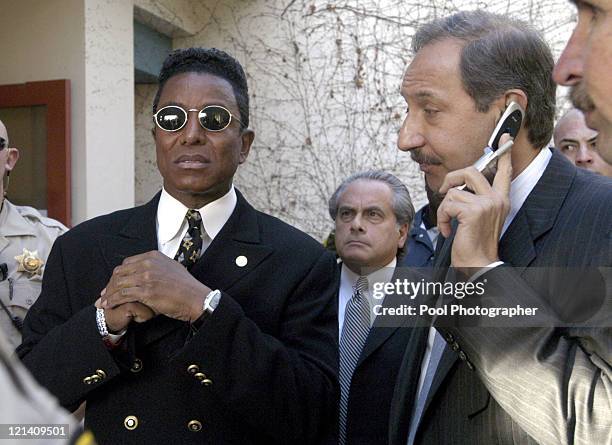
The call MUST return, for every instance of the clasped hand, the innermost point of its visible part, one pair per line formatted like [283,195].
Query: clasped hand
[149,284]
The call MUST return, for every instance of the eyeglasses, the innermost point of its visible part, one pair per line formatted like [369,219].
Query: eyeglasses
[211,117]
[3,143]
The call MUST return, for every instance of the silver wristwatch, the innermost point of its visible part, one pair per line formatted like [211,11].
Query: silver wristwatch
[212,301]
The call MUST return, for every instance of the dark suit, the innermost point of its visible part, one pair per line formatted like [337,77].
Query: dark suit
[373,381]
[268,352]
[525,385]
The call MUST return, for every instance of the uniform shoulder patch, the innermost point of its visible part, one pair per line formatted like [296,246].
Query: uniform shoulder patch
[32,214]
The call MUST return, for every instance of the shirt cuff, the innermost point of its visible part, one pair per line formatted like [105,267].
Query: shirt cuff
[485,269]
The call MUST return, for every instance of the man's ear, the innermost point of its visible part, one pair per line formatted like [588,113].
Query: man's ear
[518,96]
[247,137]
[403,231]
[11,158]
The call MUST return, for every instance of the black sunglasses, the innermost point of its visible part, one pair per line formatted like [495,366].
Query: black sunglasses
[3,143]
[211,117]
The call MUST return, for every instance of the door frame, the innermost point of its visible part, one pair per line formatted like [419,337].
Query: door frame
[55,95]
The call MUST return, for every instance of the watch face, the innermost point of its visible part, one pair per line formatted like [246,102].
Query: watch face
[212,301]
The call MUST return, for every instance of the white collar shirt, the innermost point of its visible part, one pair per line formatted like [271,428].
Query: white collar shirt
[172,225]
[348,279]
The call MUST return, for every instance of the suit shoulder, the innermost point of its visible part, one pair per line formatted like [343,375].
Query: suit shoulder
[103,224]
[274,228]
[597,187]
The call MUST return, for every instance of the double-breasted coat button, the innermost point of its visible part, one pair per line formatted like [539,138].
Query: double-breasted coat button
[449,337]
[130,423]
[136,366]
[470,365]
[101,374]
[455,346]
[87,380]
[203,379]
[194,426]
[192,369]
[462,356]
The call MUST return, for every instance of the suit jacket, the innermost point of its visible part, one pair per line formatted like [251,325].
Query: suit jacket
[420,250]
[525,385]
[261,369]
[374,379]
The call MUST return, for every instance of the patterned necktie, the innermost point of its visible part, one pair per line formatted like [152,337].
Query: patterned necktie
[191,245]
[354,334]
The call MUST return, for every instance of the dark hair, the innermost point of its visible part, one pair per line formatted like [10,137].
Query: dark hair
[210,61]
[500,53]
[402,203]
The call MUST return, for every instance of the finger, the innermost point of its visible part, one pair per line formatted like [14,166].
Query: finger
[147,256]
[456,195]
[503,177]
[98,303]
[123,296]
[140,312]
[474,180]
[446,212]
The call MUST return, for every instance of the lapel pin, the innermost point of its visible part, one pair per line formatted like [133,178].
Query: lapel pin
[241,261]
[29,262]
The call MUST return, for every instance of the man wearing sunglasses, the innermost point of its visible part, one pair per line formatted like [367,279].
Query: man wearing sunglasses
[194,318]
[26,238]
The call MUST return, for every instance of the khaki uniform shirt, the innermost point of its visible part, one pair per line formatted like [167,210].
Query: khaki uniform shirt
[23,228]
[25,402]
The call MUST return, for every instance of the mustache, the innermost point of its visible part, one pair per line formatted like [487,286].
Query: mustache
[580,99]
[419,157]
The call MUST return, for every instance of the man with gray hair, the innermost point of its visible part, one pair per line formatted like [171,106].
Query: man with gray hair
[502,384]
[372,211]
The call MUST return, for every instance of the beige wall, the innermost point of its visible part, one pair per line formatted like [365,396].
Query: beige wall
[109,105]
[324,85]
[89,42]
[31,49]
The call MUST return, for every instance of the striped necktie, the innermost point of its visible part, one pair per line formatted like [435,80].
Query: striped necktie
[191,245]
[354,334]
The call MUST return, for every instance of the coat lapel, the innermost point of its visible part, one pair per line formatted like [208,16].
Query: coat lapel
[218,267]
[381,331]
[538,213]
[139,235]
[235,252]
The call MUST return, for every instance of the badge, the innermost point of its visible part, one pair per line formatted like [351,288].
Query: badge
[29,262]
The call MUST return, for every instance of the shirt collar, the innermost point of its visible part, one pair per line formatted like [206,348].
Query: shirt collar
[523,184]
[348,278]
[171,214]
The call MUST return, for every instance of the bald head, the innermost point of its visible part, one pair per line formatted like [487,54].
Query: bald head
[578,143]
[8,158]
[3,133]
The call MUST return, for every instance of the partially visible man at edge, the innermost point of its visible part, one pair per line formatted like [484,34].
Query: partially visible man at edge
[213,322]
[578,143]
[586,64]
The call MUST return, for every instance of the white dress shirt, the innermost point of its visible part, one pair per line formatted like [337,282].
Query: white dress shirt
[172,225]
[520,188]
[348,279]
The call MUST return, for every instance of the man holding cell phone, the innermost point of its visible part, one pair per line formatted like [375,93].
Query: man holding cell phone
[462,384]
